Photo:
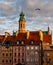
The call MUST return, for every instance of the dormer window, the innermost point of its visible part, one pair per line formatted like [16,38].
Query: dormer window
[22,42]
[32,42]
[17,42]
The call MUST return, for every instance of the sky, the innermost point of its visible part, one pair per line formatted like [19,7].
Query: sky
[35,19]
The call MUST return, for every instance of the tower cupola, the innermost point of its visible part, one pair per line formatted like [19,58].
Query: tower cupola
[22,22]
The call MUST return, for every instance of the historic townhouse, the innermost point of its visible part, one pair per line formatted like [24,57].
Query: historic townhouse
[24,47]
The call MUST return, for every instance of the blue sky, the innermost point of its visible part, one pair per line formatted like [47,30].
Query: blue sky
[35,19]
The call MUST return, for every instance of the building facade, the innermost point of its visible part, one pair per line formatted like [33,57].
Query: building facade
[24,47]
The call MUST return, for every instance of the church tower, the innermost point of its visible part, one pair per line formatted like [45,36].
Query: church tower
[22,23]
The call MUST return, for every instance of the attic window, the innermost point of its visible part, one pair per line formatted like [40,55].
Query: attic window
[22,42]
[17,42]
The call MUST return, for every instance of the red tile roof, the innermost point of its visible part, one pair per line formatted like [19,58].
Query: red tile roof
[33,35]
[47,38]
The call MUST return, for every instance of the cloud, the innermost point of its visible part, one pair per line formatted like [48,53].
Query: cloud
[35,20]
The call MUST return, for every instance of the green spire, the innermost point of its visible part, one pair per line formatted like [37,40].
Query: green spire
[22,16]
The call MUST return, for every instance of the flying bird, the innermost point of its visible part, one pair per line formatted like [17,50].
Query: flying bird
[37,9]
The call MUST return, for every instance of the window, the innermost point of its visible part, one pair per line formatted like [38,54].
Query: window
[21,25]
[36,52]
[22,42]
[22,54]
[18,60]
[32,52]
[15,60]
[32,59]
[14,49]
[27,59]
[15,54]
[36,47]
[27,53]
[22,48]
[48,54]
[3,54]
[17,42]
[10,54]
[18,54]
[18,48]
[10,61]
[32,42]
[22,60]
[6,54]
[2,61]
[32,48]
[27,48]
[36,59]
[6,61]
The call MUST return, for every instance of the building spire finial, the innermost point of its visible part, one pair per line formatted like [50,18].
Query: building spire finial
[48,30]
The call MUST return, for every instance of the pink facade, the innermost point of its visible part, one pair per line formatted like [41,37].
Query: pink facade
[18,55]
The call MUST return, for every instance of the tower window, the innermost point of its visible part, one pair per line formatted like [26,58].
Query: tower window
[21,25]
